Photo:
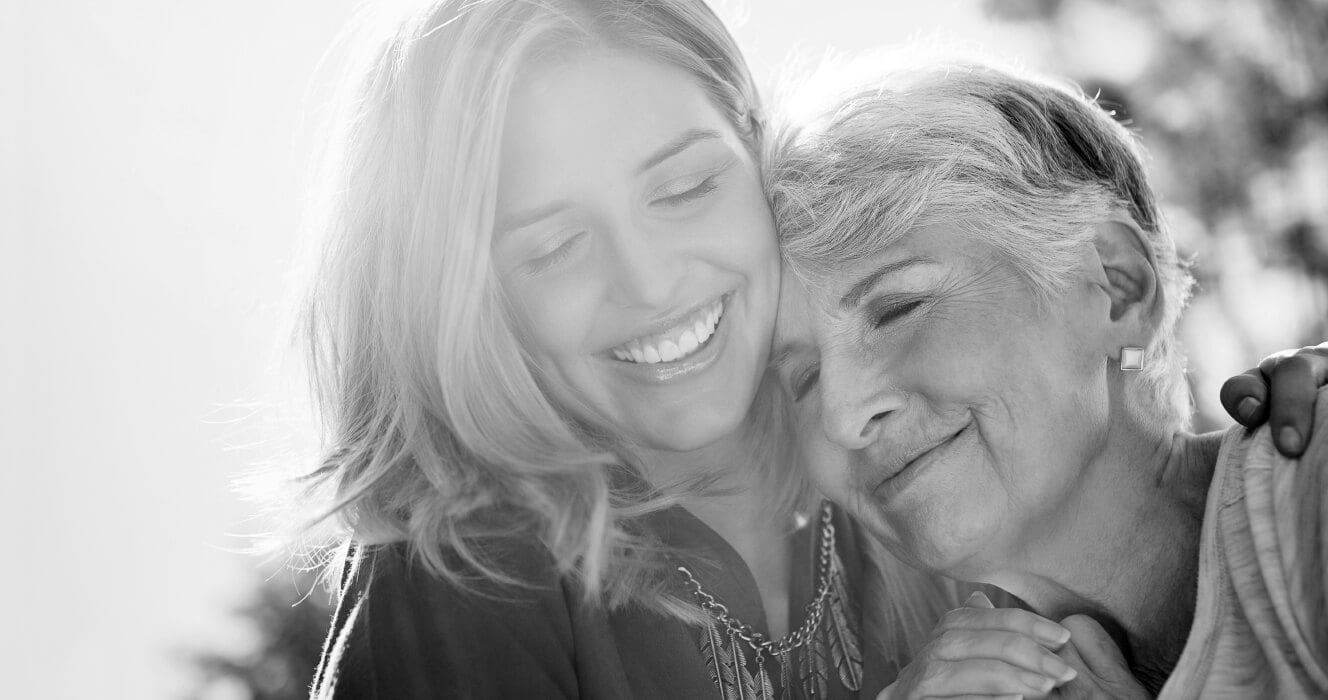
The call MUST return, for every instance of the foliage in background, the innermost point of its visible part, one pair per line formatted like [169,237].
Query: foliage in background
[1231,99]
[288,615]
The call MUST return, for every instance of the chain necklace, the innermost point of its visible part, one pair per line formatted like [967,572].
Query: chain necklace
[726,638]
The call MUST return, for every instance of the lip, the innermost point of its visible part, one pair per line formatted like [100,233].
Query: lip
[915,465]
[678,370]
[658,327]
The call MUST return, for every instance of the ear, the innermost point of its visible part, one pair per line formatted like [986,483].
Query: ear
[1128,276]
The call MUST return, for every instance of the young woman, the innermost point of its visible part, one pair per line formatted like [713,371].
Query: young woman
[540,332]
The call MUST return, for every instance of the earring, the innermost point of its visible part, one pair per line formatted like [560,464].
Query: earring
[1131,359]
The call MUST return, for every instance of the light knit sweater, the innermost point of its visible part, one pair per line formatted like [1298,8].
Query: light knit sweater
[1261,618]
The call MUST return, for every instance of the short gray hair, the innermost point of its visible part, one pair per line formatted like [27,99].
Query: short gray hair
[1026,165]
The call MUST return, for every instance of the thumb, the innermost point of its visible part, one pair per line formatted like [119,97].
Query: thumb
[1097,649]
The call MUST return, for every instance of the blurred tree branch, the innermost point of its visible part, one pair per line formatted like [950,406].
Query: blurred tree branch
[1231,98]
[289,614]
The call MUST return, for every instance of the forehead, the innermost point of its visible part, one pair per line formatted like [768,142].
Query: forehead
[814,297]
[833,278]
[599,107]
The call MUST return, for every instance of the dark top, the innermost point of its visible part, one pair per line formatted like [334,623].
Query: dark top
[402,633]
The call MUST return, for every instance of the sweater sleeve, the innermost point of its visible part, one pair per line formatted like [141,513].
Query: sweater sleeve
[1303,531]
[400,632]
[1291,536]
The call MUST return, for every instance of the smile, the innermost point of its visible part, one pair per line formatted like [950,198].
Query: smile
[687,337]
[915,463]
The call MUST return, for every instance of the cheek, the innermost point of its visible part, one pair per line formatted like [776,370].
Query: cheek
[554,317]
[1042,414]
[954,361]
[746,229]
[823,463]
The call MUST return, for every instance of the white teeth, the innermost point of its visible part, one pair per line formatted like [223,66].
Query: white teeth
[675,343]
[688,342]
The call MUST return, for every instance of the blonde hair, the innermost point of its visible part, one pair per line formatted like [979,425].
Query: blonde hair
[1019,162]
[439,433]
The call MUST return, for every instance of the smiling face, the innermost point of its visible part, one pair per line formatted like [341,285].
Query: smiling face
[939,402]
[636,246]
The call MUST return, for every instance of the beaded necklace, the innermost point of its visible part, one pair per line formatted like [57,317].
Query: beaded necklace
[726,639]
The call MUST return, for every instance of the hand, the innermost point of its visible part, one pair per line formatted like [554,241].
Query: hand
[979,650]
[1103,672]
[1281,391]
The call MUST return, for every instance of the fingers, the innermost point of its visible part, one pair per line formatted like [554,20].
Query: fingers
[1046,632]
[1012,648]
[1282,392]
[1245,397]
[1094,647]
[1103,669]
[1294,383]
[984,677]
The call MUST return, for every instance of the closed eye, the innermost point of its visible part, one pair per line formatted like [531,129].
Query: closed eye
[556,255]
[806,381]
[701,189]
[895,312]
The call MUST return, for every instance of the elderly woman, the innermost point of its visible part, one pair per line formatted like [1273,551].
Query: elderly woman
[980,335]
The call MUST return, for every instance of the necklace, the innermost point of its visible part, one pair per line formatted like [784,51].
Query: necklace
[726,640]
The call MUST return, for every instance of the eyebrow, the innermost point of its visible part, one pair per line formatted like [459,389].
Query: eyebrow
[524,219]
[781,357]
[683,142]
[864,285]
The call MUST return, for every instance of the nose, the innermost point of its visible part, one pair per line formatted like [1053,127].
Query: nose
[858,396]
[645,271]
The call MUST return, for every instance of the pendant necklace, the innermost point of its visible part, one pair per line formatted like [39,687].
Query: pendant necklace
[826,640]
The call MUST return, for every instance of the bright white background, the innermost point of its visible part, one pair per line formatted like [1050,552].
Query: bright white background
[150,174]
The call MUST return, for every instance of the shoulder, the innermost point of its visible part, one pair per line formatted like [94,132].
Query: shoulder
[1251,454]
[401,631]
[1296,487]
[1285,502]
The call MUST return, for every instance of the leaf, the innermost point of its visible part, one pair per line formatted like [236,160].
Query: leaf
[747,683]
[845,648]
[845,645]
[763,679]
[837,580]
[718,663]
[805,672]
[813,669]
[820,664]
[785,675]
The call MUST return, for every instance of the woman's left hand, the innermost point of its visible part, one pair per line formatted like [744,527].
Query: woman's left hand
[1281,391]
[1103,672]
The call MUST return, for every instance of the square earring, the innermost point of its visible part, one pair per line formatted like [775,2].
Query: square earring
[1131,359]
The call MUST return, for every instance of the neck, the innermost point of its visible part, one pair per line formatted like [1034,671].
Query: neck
[727,464]
[1124,548]
[735,502]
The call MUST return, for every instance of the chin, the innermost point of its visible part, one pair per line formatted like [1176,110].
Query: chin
[692,430]
[950,549]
